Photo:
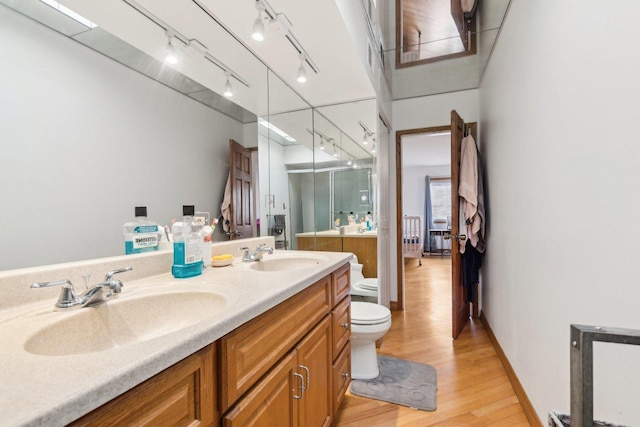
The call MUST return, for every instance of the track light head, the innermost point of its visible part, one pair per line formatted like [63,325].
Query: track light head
[171,54]
[228,90]
[302,71]
[302,74]
[257,32]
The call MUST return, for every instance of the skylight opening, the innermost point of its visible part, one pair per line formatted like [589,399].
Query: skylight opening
[70,13]
[276,129]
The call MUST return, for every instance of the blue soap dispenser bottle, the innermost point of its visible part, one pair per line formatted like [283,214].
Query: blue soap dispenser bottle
[187,246]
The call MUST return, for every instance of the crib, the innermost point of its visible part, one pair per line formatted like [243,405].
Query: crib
[412,235]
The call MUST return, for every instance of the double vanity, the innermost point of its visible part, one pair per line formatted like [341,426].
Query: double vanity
[251,342]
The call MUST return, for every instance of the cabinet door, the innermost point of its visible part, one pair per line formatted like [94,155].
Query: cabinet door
[270,402]
[341,324]
[366,249]
[340,283]
[314,363]
[251,350]
[183,394]
[341,377]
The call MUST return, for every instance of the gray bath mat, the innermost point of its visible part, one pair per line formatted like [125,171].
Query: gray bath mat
[402,382]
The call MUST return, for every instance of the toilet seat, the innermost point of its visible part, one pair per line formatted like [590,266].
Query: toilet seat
[368,284]
[367,313]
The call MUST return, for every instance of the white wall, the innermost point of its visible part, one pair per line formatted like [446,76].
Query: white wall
[559,107]
[435,110]
[413,186]
[85,139]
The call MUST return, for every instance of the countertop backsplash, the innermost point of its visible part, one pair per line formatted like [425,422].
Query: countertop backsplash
[15,284]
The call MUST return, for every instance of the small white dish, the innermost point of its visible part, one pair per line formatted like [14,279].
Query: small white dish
[221,262]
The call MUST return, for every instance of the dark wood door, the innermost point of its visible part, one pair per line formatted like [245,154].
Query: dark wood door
[460,308]
[240,223]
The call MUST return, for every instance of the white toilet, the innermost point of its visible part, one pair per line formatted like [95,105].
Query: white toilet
[369,322]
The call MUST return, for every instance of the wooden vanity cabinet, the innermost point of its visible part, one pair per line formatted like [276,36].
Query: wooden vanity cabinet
[248,352]
[366,249]
[280,368]
[295,391]
[289,366]
[184,394]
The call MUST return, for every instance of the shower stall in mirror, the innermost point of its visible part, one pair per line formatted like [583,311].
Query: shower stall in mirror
[351,198]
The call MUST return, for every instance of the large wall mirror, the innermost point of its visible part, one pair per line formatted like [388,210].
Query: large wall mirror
[95,124]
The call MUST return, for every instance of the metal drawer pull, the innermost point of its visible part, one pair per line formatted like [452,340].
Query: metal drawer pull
[345,375]
[345,325]
[301,395]
[308,377]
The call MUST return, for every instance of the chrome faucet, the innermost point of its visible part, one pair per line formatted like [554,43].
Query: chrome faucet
[257,254]
[103,291]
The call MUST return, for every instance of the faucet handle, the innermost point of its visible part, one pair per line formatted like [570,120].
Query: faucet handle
[66,283]
[111,273]
[67,296]
[247,254]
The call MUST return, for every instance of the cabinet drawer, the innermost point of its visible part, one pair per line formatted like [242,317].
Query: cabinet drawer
[341,377]
[184,394]
[341,283]
[340,326]
[270,402]
[251,350]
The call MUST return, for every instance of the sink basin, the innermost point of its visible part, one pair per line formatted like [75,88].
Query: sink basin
[124,321]
[285,264]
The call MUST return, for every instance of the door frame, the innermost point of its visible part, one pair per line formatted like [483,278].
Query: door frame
[399,305]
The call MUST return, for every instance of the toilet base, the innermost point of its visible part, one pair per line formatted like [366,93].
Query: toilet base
[364,361]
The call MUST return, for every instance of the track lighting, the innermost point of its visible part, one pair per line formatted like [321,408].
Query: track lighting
[257,32]
[302,72]
[171,56]
[228,90]
[266,13]
[368,135]
[350,161]
[373,147]
[335,152]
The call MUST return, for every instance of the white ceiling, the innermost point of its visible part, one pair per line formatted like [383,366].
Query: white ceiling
[341,76]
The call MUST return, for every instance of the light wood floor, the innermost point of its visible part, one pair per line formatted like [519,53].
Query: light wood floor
[473,388]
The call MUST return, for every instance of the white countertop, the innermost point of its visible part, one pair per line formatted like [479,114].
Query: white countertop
[55,390]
